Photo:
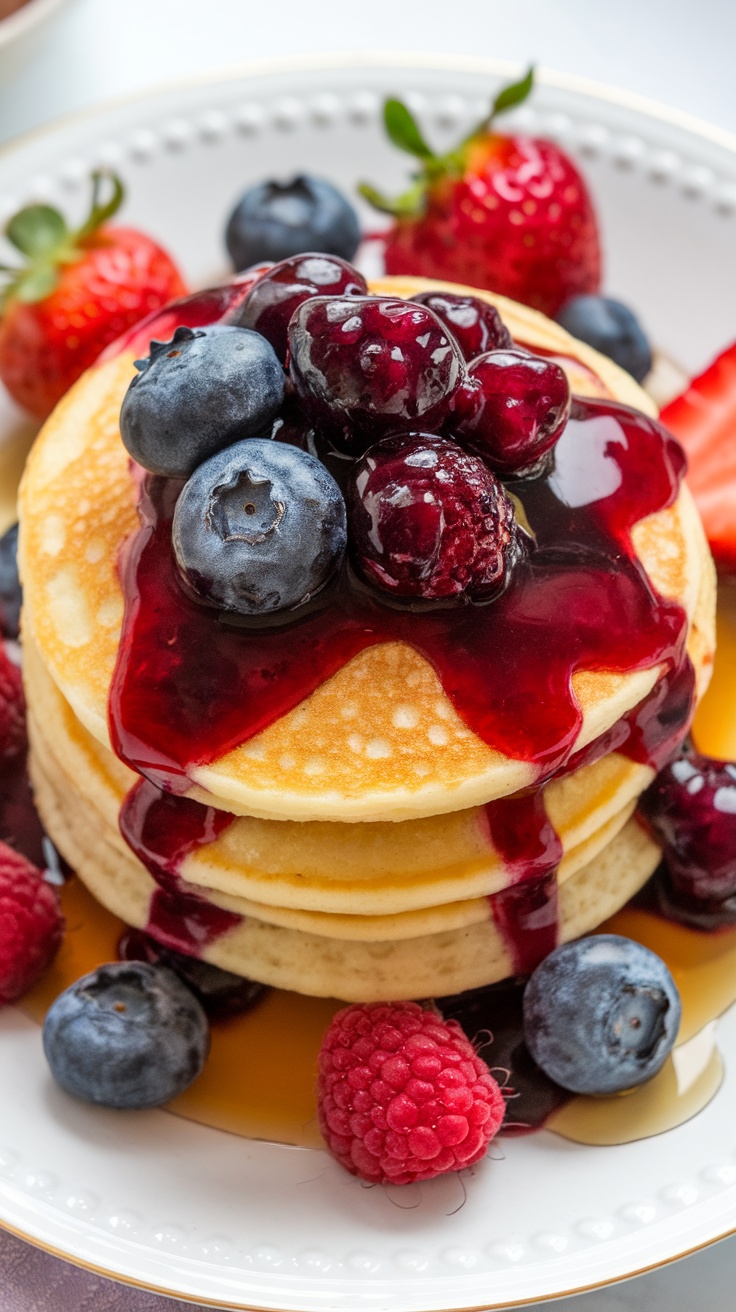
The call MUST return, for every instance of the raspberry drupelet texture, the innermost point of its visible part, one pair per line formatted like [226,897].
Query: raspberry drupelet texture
[12,710]
[31,924]
[402,1095]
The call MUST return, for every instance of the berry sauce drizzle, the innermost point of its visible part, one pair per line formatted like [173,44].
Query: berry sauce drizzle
[162,829]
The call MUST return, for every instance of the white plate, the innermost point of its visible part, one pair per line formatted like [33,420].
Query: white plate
[175,1207]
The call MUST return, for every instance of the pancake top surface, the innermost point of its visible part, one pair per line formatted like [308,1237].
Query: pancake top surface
[380,738]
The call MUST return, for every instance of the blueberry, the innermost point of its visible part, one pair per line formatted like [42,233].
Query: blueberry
[11,595]
[198,393]
[275,220]
[612,328]
[126,1035]
[259,528]
[601,1014]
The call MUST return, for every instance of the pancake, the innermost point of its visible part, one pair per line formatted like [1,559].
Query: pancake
[449,961]
[379,741]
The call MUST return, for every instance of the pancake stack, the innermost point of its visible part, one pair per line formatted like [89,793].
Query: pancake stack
[355,847]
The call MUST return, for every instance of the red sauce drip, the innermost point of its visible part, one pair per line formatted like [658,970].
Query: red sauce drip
[194,311]
[652,732]
[526,912]
[162,830]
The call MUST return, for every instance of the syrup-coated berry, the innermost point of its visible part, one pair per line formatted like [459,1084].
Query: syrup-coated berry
[476,325]
[428,520]
[601,1014]
[275,220]
[221,993]
[402,1094]
[365,366]
[691,807]
[259,528]
[127,1035]
[612,328]
[511,410]
[11,595]
[198,393]
[273,299]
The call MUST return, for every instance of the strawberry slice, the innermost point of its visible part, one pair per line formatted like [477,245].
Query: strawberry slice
[703,418]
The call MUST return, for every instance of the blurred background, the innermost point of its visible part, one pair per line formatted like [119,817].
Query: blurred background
[671,50]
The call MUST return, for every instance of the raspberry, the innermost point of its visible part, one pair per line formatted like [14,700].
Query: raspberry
[402,1095]
[31,924]
[12,710]
[428,520]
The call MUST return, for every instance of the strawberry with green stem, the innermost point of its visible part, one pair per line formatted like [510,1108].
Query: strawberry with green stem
[77,290]
[507,212]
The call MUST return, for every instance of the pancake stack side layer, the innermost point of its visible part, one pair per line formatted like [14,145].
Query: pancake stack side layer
[358,856]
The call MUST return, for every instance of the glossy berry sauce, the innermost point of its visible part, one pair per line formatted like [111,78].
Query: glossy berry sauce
[188,688]
[162,829]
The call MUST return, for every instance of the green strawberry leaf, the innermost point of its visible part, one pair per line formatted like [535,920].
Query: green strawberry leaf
[99,213]
[514,94]
[403,130]
[507,98]
[407,206]
[37,230]
[37,283]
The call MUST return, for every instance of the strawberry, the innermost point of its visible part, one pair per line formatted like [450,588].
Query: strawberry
[510,213]
[77,291]
[704,420]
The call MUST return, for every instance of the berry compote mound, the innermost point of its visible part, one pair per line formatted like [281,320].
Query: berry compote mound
[357,619]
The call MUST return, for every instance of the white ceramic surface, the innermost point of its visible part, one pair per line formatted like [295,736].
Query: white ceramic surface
[20,32]
[173,1206]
